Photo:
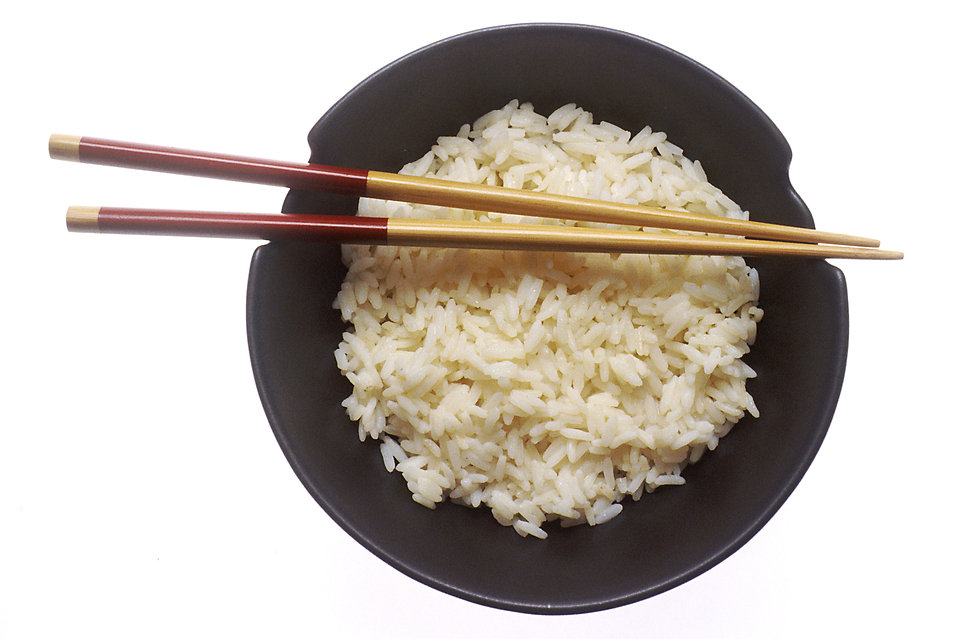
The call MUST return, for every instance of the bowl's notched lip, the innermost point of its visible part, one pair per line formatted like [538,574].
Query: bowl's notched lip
[757,118]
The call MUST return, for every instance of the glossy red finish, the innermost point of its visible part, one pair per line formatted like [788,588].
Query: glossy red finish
[226,167]
[346,229]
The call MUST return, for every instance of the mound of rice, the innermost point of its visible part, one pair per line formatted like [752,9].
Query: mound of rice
[547,385]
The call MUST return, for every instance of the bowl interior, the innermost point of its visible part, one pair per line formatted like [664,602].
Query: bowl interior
[668,536]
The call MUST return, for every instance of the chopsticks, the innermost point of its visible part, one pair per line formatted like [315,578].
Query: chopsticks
[390,186]
[348,229]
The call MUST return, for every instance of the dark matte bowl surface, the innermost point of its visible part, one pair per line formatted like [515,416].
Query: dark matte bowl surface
[669,536]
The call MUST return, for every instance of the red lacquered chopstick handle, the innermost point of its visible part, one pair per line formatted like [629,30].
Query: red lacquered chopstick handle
[201,164]
[345,229]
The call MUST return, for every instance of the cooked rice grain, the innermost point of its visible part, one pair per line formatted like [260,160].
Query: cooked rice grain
[547,385]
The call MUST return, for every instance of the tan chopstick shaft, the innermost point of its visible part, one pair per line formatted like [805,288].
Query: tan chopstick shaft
[481,197]
[485,235]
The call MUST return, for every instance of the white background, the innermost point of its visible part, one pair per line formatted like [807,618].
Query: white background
[141,490]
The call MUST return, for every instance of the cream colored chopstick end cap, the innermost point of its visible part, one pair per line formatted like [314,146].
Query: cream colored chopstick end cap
[83,218]
[64,147]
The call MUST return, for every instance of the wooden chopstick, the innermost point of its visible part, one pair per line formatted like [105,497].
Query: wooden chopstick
[390,186]
[348,229]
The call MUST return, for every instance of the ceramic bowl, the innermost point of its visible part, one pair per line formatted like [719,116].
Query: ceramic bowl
[669,536]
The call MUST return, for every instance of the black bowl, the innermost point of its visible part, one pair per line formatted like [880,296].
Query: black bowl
[668,537]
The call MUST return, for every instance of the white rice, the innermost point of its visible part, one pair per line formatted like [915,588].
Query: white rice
[547,385]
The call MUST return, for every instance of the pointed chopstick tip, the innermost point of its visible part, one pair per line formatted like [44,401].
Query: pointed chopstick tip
[64,147]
